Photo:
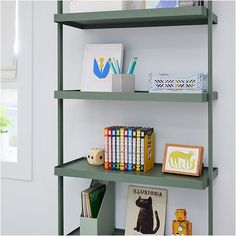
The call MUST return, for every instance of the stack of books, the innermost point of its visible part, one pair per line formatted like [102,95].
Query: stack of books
[129,148]
[91,200]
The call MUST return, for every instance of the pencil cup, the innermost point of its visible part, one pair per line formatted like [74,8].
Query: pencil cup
[123,83]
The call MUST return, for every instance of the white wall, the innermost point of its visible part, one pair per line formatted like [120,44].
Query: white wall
[31,207]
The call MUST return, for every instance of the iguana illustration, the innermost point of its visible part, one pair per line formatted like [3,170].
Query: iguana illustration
[177,156]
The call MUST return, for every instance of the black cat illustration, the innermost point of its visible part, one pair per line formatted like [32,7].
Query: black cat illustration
[145,217]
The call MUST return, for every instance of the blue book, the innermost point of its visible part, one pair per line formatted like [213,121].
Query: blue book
[118,148]
[130,148]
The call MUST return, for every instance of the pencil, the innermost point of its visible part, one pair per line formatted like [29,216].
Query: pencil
[112,66]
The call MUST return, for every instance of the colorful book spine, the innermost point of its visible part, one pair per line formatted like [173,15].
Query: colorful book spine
[142,136]
[113,148]
[130,148]
[85,205]
[106,148]
[117,148]
[109,147]
[138,151]
[134,146]
[149,143]
[122,148]
[88,205]
[126,148]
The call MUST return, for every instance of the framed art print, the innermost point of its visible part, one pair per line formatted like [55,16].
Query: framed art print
[96,69]
[183,159]
[146,211]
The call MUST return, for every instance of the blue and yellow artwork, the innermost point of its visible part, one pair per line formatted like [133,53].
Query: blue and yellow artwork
[97,70]
[101,69]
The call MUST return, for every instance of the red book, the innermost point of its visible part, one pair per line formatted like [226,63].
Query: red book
[109,148]
[106,148]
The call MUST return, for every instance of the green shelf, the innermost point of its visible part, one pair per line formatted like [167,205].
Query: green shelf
[81,168]
[188,15]
[136,96]
[117,232]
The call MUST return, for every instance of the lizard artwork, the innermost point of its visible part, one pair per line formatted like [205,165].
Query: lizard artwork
[181,160]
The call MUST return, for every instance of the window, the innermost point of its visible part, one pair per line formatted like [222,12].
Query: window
[8,108]
[8,124]
[16,89]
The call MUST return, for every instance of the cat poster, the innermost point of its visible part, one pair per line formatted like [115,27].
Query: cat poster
[146,211]
[97,73]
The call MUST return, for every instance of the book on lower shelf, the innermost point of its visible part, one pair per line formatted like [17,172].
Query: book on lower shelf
[91,199]
[98,202]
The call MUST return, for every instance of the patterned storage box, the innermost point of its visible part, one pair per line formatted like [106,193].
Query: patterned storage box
[166,83]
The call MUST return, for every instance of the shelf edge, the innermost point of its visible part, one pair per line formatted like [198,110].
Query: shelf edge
[135,178]
[137,96]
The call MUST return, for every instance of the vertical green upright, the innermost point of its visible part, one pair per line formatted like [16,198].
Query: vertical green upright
[210,122]
[60,119]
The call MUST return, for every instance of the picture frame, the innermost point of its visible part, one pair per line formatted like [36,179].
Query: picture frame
[183,159]
[146,211]
[97,74]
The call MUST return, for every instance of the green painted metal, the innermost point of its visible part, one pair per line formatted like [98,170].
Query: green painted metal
[80,168]
[117,232]
[137,96]
[210,122]
[137,18]
[60,120]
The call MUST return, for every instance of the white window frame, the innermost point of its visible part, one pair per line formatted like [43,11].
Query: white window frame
[24,76]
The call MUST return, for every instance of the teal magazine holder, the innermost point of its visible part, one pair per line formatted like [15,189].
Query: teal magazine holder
[104,224]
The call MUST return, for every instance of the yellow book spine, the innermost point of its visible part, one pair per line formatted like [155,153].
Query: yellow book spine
[138,150]
[148,150]
[89,206]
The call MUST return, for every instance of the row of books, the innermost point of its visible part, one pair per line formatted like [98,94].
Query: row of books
[129,148]
[91,200]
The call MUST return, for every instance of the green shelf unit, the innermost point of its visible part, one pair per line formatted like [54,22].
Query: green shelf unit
[200,15]
[81,168]
[197,15]
[136,96]
[117,232]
